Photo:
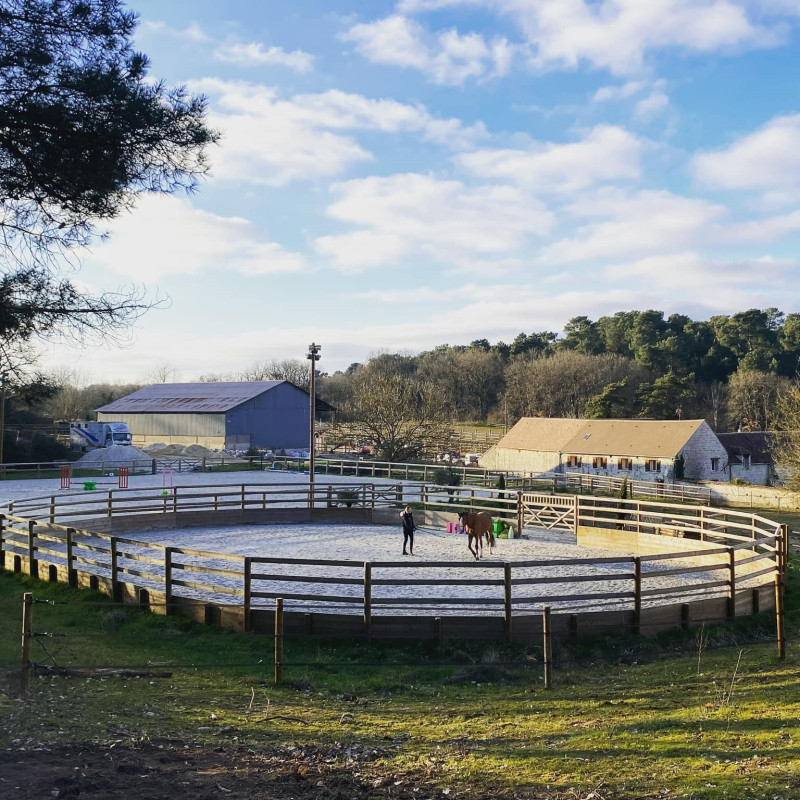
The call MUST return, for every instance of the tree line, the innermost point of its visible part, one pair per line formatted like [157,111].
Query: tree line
[731,369]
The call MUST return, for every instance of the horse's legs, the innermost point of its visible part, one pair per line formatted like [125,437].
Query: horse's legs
[470,541]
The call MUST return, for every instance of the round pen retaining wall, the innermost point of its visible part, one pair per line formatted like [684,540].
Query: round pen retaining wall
[691,565]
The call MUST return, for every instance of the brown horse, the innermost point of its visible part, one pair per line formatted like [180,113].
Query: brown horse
[476,526]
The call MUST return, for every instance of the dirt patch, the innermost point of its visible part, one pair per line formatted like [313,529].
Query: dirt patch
[155,770]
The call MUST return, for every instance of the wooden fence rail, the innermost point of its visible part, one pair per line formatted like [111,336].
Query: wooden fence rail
[722,555]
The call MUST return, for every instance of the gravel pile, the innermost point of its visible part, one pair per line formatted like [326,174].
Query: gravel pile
[108,458]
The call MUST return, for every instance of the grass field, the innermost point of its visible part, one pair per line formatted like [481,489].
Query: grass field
[707,714]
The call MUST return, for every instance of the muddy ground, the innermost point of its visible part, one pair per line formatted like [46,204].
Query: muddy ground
[154,770]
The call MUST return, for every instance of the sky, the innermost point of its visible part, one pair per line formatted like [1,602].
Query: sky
[392,176]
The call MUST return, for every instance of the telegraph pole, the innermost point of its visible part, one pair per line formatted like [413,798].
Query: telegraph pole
[313,356]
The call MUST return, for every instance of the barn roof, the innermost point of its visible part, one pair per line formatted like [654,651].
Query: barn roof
[756,444]
[189,398]
[618,437]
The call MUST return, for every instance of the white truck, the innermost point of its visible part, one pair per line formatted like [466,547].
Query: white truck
[85,436]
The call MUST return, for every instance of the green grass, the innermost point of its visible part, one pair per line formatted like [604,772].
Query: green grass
[632,716]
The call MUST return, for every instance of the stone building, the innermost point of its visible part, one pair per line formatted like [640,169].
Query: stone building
[640,449]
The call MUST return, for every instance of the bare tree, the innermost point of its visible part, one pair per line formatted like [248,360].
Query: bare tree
[289,369]
[164,372]
[403,418]
[560,385]
[754,399]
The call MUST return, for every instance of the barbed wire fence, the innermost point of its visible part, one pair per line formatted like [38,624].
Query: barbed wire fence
[46,652]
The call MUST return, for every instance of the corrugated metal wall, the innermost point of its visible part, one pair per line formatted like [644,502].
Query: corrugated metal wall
[276,419]
[150,425]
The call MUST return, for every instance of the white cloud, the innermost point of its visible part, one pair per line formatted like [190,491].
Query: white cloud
[412,214]
[166,235]
[449,58]
[254,54]
[192,32]
[607,153]
[617,35]
[652,105]
[690,272]
[767,159]
[767,229]
[628,224]
[273,141]
[621,92]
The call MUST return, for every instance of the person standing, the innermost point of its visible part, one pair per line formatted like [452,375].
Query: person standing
[408,530]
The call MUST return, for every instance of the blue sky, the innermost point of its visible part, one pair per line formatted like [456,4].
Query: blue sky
[397,175]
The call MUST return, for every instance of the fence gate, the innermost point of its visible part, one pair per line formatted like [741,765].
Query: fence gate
[549,511]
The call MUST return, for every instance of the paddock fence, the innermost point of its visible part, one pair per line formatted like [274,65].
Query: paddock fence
[692,563]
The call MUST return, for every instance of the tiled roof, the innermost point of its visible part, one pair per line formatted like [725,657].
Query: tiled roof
[618,437]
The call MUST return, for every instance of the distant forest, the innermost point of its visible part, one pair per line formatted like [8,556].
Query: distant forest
[732,370]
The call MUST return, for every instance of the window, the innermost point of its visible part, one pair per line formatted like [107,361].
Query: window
[652,465]
[625,463]
[573,461]
[714,464]
[598,462]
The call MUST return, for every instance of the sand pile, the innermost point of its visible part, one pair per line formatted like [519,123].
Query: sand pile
[109,458]
[198,451]
[161,450]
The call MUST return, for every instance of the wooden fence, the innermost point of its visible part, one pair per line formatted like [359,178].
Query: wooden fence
[694,564]
[565,482]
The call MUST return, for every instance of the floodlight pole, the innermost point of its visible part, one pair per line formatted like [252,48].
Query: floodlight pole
[313,356]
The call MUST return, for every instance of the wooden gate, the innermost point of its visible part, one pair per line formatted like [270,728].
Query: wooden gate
[549,511]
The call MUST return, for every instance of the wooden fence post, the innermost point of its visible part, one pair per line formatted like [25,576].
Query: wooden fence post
[168,580]
[27,622]
[2,552]
[520,514]
[547,637]
[52,509]
[33,566]
[115,591]
[71,557]
[278,640]
[247,593]
[779,615]
[637,595]
[110,503]
[368,600]
[731,583]
[507,600]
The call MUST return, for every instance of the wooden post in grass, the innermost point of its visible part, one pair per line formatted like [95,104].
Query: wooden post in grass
[168,580]
[368,600]
[637,595]
[247,594]
[779,615]
[2,552]
[547,637]
[115,592]
[27,622]
[33,567]
[71,557]
[507,600]
[731,583]
[278,640]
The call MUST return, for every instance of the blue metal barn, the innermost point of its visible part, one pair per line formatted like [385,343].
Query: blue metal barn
[233,416]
